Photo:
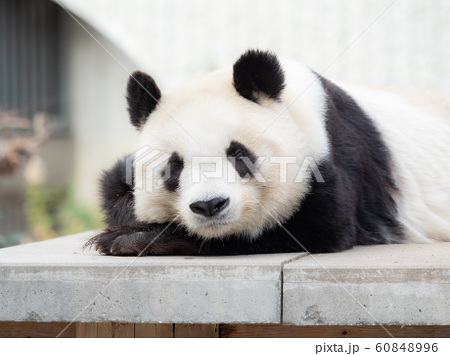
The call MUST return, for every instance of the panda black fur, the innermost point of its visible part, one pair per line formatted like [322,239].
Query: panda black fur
[356,203]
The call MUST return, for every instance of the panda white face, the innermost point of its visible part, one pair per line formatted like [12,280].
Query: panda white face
[217,162]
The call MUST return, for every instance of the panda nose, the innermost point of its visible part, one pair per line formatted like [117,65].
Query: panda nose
[210,207]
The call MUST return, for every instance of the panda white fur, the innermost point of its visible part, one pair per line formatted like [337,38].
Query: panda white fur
[377,171]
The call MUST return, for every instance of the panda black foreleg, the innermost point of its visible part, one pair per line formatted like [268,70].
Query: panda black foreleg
[172,239]
[144,240]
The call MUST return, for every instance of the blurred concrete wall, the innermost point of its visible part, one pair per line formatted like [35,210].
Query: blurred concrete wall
[373,42]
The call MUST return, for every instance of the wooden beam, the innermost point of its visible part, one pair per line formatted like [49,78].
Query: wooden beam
[115,330]
[35,329]
[88,330]
[278,330]
[153,330]
[196,330]
[130,330]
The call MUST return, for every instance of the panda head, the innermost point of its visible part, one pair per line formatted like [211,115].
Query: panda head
[211,154]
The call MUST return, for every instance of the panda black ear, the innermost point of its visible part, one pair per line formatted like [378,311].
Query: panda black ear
[142,97]
[258,73]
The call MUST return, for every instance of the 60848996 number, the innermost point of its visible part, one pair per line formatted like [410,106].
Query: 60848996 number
[406,347]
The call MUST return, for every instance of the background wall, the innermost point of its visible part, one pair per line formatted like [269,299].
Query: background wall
[377,42]
[371,42]
[100,126]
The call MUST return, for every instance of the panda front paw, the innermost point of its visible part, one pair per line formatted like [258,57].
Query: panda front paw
[153,239]
[121,241]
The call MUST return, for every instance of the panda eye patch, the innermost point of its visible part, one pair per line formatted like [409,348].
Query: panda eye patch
[236,154]
[171,174]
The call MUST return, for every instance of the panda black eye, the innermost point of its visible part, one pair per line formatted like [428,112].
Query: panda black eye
[236,152]
[174,168]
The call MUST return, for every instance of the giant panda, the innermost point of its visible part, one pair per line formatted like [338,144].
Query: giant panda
[298,162]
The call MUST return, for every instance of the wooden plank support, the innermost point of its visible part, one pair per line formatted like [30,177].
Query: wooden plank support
[196,330]
[88,330]
[325,331]
[35,329]
[115,330]
[153,330]
[131,330]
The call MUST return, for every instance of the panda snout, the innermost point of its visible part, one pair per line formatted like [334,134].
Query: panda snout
[209,207]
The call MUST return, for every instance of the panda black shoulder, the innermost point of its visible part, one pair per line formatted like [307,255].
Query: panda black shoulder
[359,169]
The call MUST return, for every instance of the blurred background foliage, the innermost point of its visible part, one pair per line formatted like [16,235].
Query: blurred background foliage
[51,212]
[31,207]
[54,211]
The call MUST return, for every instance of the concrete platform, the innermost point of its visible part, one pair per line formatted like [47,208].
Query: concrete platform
[56,281]
[369,285]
